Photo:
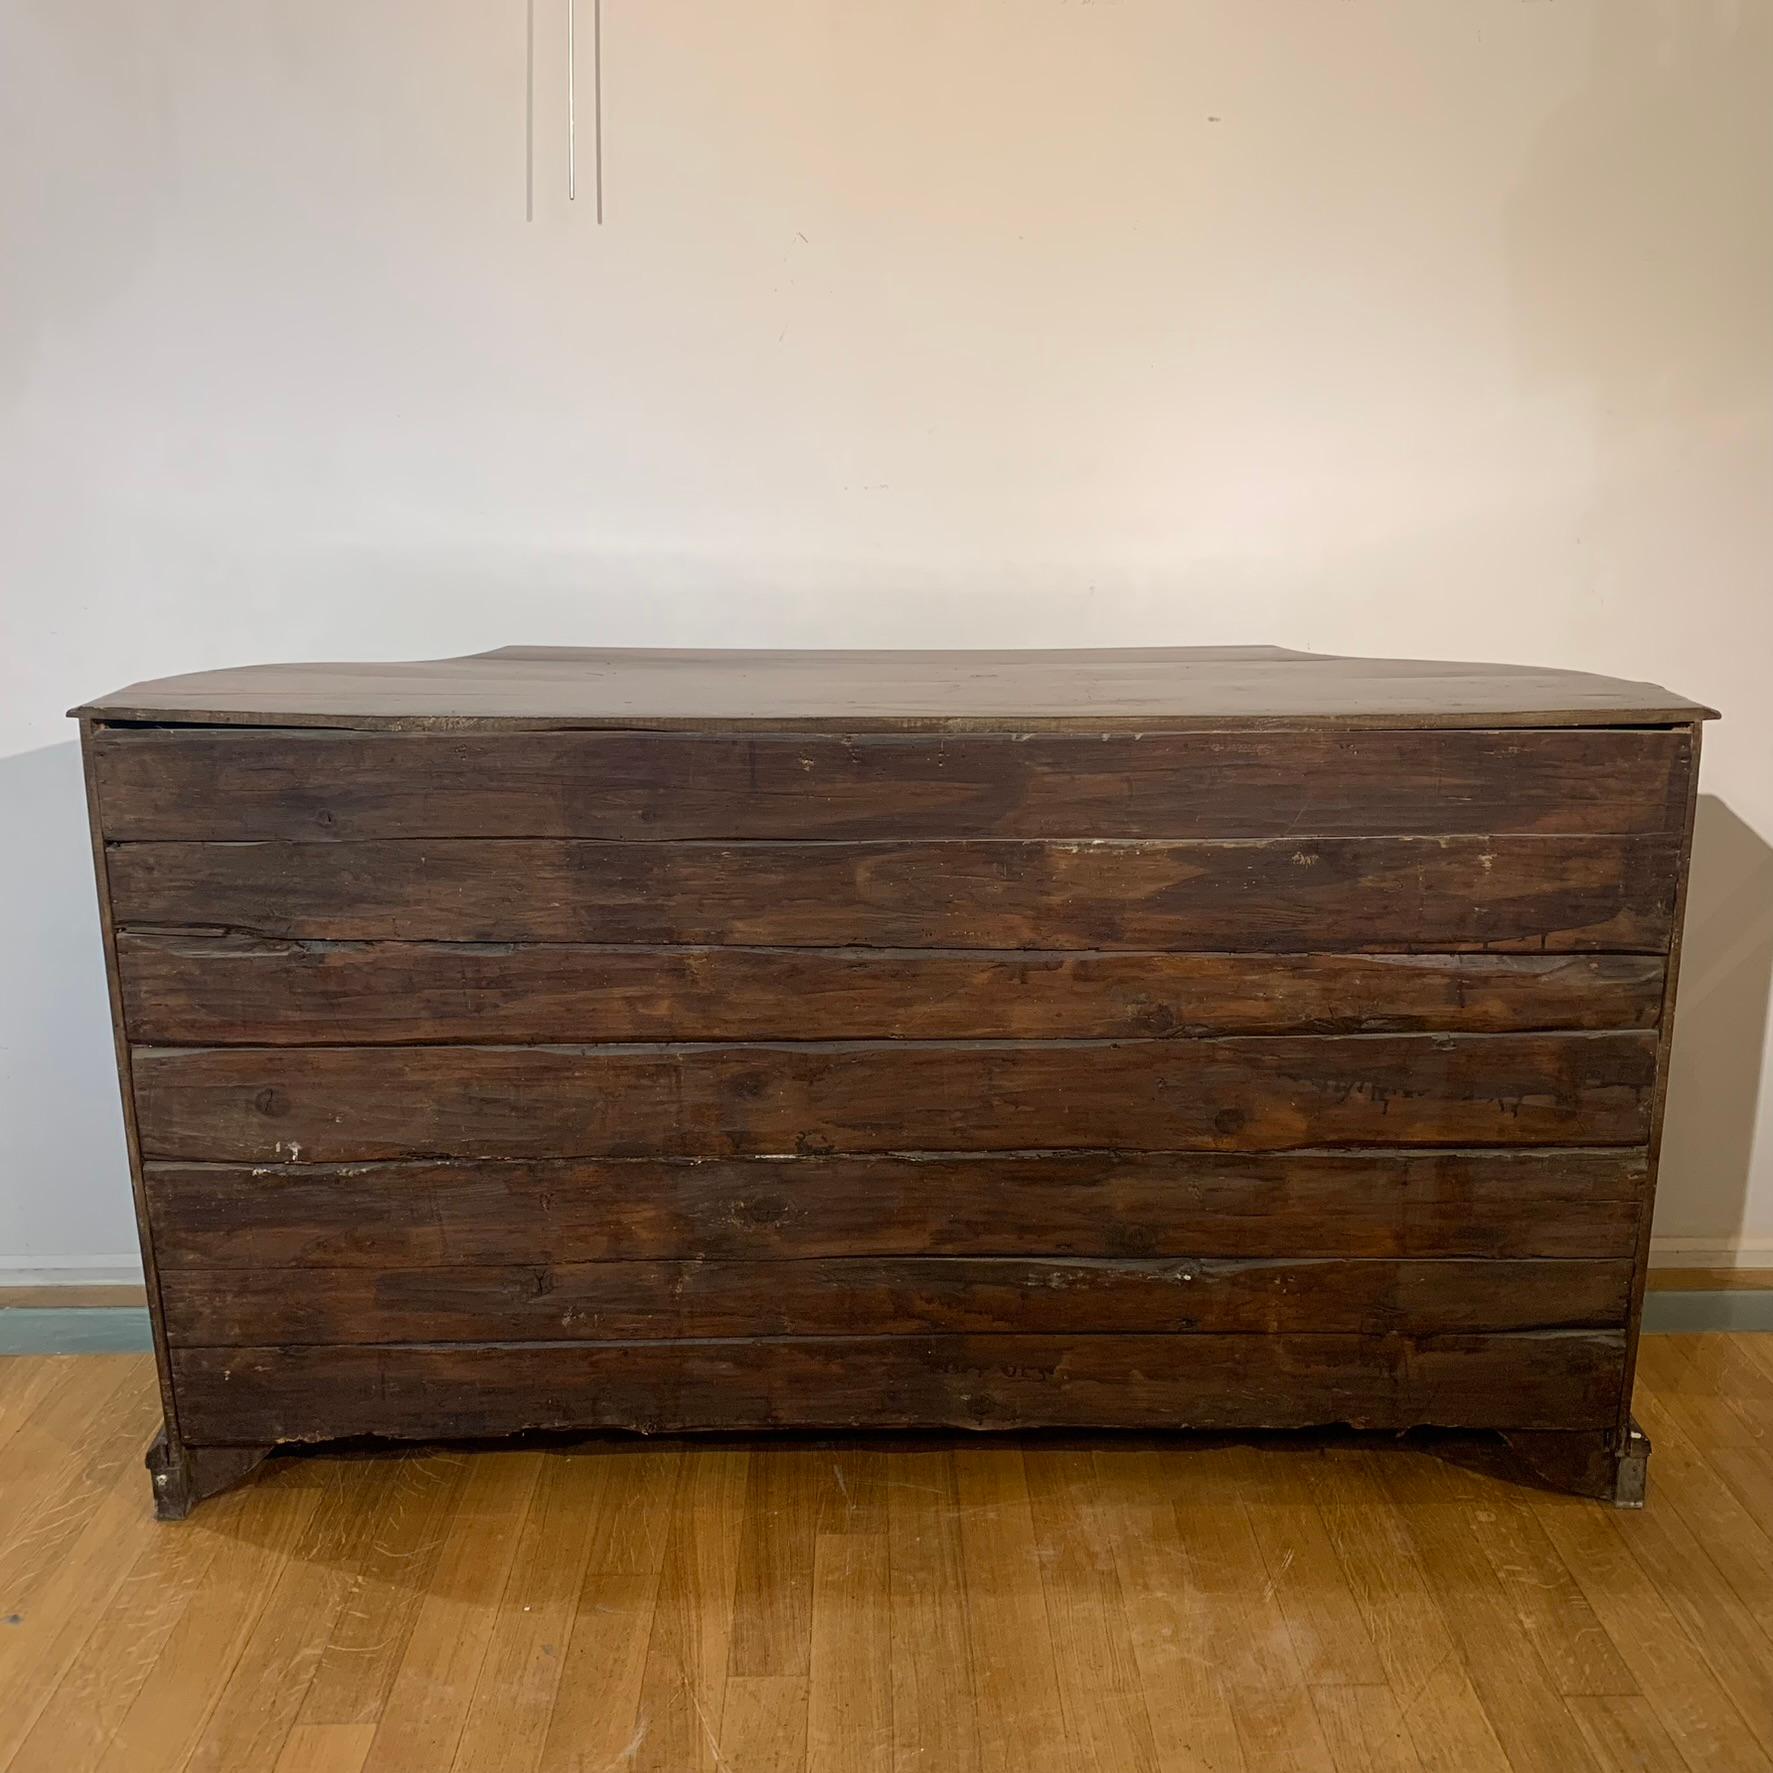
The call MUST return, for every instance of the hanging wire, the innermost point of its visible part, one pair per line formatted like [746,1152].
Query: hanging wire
[529,111]
[597,97]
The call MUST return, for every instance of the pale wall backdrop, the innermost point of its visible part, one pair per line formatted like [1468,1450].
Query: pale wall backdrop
[1402,326]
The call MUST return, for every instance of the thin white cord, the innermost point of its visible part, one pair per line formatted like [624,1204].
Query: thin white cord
[597,96]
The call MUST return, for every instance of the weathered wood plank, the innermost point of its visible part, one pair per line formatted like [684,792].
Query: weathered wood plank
[1094,1203]
[885,1296]
[1551,1379]
[222,990]
[341,1104]
[195,784]
[1553,893]
[1300,1203]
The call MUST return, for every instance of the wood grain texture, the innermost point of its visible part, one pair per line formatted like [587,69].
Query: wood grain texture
[1263,1674]
[426,1706]
[165,1725]
[391,1571]
[1188,1696]
[212,784]
[64,1522]
[1671,1669]
[256,1711]
[1518,1692]
[1009,1644]
[457,1057]
[885,1296]
[533,1621]
[1404,1617]
[1095,690]
[1564,1378]
[1097,1682]
[1564,1202]
[340,1104]
[1226,1595]
[935,1722]
[227,990]
[1283,895]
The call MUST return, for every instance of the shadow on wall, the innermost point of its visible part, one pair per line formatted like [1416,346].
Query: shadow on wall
[1720,1030]
[64,1173]
[1638,287]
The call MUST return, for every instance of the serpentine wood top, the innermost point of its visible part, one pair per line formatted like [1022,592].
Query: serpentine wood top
[1162,688]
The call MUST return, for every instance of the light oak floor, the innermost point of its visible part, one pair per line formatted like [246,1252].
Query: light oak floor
[856,1606]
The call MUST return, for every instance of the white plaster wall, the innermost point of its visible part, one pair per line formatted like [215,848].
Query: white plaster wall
[1403,326]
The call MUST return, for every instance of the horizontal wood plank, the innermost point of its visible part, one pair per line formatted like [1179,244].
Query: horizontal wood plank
[885,1296]
[338,1104]
[1555,1379]
[1302,1203]
[1548,893]
[195,783]
[223,990]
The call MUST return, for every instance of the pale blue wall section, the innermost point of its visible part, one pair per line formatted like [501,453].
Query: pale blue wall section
[53,1330]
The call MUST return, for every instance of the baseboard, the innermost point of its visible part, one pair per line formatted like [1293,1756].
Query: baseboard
[1711,1280]
[1711,1252]
[1714,1309]
[71,1271]
[101,1296]
[27,1330]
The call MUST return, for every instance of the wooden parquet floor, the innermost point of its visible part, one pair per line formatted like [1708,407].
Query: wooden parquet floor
[872,1607]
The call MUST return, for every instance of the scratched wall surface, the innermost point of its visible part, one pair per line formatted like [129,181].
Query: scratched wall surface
[1378,326]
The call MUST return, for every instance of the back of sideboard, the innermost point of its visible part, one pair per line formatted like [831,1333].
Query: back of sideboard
[481,1081]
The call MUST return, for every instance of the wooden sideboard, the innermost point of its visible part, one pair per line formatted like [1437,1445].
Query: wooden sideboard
[1208,1038]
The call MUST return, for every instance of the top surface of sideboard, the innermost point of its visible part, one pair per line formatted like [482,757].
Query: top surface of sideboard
[1155,688]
